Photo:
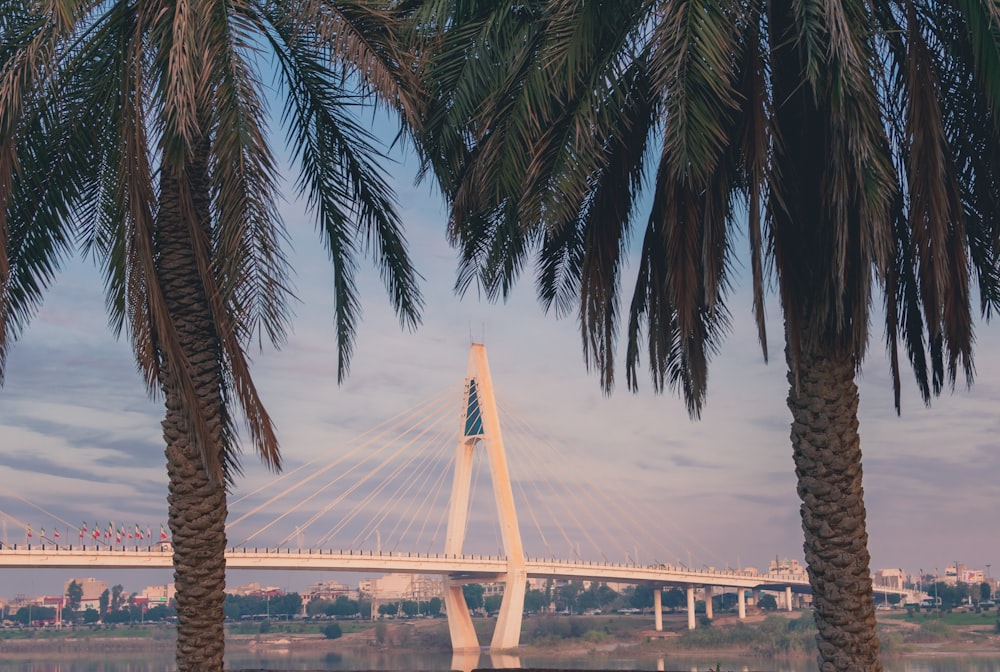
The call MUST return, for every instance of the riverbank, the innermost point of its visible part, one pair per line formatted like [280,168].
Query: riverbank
[774,636]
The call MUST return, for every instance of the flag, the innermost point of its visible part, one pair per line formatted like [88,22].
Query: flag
[149,532]
[107,532]
[83,530]
[55,535]
[41,534]
[29,531]
[97,531]
[138,532]
[163,534]
[118,537]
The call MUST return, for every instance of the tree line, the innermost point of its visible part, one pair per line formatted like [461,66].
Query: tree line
[575,598]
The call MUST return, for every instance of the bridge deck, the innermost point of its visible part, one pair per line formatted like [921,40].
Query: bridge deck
[466,566]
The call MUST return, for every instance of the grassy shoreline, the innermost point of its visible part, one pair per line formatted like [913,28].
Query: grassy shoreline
[775,636]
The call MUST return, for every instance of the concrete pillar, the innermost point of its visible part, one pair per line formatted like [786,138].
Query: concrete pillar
[463,634]
[741,602]
[690,592]
[708,602]
[788,597]
[508,628]
[481,425]
[658,607]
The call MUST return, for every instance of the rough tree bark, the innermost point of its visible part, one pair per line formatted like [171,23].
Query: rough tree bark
[827,452]
[197,503]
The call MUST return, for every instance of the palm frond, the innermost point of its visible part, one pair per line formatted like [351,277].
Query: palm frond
[343,182]
[249,235]
[756,135]
[33,34]
[364,41]
[694,57]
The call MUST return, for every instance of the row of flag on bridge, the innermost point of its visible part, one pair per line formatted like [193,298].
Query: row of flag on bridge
[120,533]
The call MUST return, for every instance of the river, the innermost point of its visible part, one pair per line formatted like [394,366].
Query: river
[390,661]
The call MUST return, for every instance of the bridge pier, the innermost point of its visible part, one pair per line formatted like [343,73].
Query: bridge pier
[741,603]
[708,602]
[463,634]
[788,597]
[658,607]
[507,634]
[690,596]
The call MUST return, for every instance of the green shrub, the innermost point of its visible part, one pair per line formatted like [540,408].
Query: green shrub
[773,636]
[933,631]
[595,636]
[332,631]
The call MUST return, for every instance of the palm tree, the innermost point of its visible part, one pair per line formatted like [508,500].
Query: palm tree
[852,145]
[136,131]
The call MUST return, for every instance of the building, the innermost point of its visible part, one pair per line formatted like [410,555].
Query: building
[255,589]
[327,590]
[402,587]
[786,566]
[959,573]
[894,578]
[158,595]
[92,591]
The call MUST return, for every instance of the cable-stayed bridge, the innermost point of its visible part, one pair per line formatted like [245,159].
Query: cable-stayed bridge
[383,501]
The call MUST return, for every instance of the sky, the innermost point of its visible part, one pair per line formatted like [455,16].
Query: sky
[80,438]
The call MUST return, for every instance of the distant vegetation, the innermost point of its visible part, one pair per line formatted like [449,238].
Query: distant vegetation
[774,636]
[550,628]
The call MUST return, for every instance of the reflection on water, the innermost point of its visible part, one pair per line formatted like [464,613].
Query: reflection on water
[289,659]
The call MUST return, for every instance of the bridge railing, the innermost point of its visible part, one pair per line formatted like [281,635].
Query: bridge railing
[164,547]
[158,547]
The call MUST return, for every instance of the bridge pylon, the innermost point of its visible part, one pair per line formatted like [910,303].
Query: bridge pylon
[481,427]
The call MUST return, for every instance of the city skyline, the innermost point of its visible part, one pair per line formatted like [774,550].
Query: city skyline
[81,438]
[362,581]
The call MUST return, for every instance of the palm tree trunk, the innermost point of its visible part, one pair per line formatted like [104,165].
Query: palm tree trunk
[197,503]
[827,452]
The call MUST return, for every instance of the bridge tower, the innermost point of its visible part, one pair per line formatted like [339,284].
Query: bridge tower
[481,427]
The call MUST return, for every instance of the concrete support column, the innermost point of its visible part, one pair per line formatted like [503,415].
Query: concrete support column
[690,592]
[741,602]
[708,602]
[463,634]
[658,607]
[507,634]
[788,597]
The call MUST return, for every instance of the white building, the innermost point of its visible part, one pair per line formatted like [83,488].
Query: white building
[156,595]
[92,591]
[401,587]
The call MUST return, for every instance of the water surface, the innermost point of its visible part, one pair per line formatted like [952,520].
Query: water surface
[398,661]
